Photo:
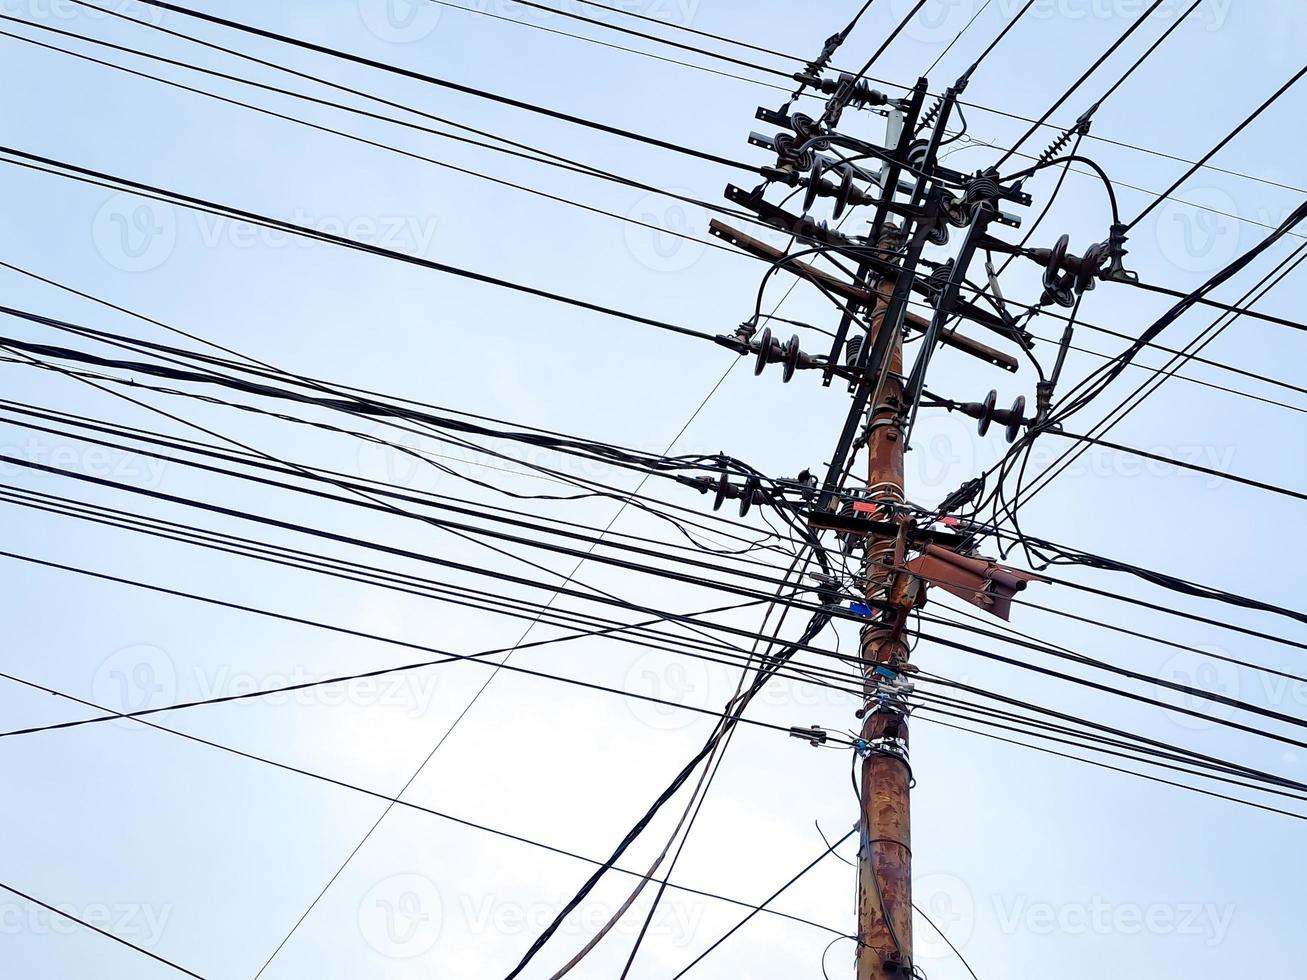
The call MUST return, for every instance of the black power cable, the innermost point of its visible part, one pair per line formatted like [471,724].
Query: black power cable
[1095,383]
[1034,127]
[388,413]
[1064,653]
[437,81]
[85,175]
[416,807]
[767,901]
[958,37]
[989,48]
[1016,117]
[639,634]
[689,815]
[442,657]
[1151,744]
[503,18]
[26,412]
[519,150]
[1224,307]
[1274,97]
[1139,635]
[735,712]
[1128,772]
[500,576]
[466,512]
[1133,750]
[1066,555]
[1103,376]
[573,15]
[66,914]
[1182,464]
[1190,379]
[651,506]
[370,501]
[1120,692]
[983,719]
[360,402]
[1148,53]
[556,160]
[409,154]
[509,554]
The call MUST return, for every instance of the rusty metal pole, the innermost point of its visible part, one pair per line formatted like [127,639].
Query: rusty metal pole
[885,852]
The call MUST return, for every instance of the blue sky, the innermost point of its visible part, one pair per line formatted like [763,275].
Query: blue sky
[1035,866]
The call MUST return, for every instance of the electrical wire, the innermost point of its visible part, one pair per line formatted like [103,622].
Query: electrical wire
[1112,49]
[771,898]
[442,657]
[1103,376]
[1248,120]
[372,405]
[1141,742]
[531,154]
[735,711]
[436,81]
[65,913]
[688,816]
[1117,769]
[1181,464]
[85,175]
[1132,695]
[535,155]
[416,807]
[1016,117]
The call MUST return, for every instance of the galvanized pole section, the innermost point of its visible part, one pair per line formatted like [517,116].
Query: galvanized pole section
[885,852]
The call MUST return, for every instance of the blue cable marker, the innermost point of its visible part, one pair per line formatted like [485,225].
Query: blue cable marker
[861,608]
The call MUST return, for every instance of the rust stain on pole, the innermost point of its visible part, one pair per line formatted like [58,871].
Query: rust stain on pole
[885,863]
[885,854]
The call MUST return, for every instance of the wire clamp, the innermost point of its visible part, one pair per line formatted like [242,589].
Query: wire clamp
[1116,253]
[888,747]
[815,735]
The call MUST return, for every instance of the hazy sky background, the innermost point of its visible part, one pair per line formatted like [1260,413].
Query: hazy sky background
[1035,866]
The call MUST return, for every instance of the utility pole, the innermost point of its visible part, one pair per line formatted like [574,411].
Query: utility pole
[885,847]
[916,200]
